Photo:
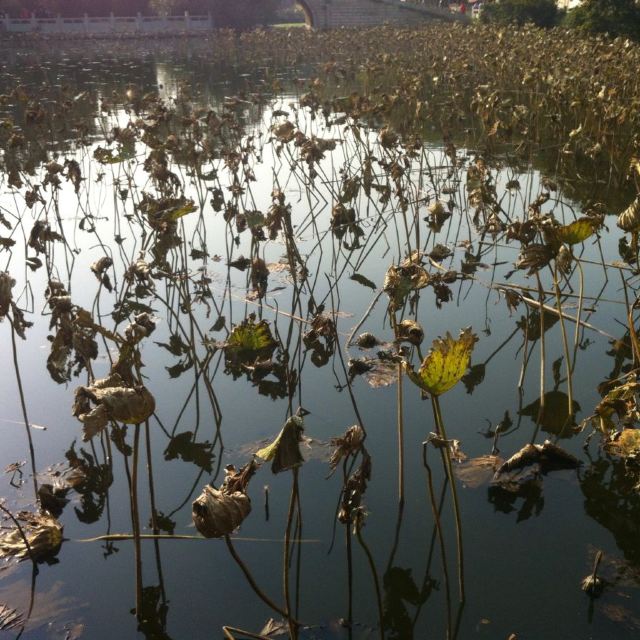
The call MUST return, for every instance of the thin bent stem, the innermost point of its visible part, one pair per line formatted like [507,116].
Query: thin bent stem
[374,573]
[436,516]
[565,344]
[576,335]
[293,630]
[400,438]
[247,574]
[136,520]
[27,424]
[542,360]
[454,493]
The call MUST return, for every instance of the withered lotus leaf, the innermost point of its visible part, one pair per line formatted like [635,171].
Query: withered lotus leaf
[9,618]
[41,530]
[216,513]
[399,281]
[6,284]
[629,219]
[108,399]
[548,455]
[348,443]
[409,331]
[626,444]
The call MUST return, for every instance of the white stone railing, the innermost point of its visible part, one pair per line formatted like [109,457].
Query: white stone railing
[110,24]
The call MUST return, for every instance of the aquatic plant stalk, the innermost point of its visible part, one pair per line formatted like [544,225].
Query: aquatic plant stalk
[565,345]
[25,417]
[435,403]
[374,573]
[542,360]
[438,525]
[400,419]
[252,583]
[136,520]
[293,630]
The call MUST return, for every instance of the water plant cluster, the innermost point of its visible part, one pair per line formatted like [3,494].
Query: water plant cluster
[294,268]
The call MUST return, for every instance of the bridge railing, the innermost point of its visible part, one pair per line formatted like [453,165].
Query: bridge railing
[108,24]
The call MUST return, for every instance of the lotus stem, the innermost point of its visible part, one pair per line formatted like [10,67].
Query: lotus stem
[454,493]
[400,418]
[438,523]
[247,574]
[565,345]
[576,335]
[293,630]
[542,360]
[23,405]
[136,520]
[374,573]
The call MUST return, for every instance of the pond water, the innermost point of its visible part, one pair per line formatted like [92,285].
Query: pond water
[189,171]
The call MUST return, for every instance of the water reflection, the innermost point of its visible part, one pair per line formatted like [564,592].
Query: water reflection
[609,486]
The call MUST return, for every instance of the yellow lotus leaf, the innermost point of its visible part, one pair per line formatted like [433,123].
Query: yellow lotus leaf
[576,232]
[445,364]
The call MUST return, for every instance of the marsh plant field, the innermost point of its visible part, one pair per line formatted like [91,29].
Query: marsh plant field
[320,335]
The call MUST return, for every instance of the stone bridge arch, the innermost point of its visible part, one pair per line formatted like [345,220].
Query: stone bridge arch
[309,17]
[333,14]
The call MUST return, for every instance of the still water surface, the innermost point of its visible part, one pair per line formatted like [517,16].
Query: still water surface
[526,551]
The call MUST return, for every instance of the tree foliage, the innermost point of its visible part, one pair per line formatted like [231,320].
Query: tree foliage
[615,17]
[543,13]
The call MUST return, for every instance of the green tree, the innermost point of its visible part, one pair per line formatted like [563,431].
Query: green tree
[615,17]
[543,13]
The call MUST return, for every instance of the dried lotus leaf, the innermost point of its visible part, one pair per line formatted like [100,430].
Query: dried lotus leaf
[112,401]
[534,257]
[99,269]
[548,456]
[41,530]
[6,284]
[410,331]
[629,219]
[347,444]
[130,406]
[367,341]
[217,514]
[399,281]
[9,618]
[437,209]
[476,472]
[627,444]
